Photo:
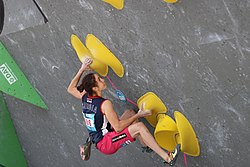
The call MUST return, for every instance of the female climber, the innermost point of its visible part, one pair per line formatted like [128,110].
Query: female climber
[107,131]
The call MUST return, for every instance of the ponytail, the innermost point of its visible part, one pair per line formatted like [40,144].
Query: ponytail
[88,82]
[80,88]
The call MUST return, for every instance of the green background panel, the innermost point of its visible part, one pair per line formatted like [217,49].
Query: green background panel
[11,153]
[21,88]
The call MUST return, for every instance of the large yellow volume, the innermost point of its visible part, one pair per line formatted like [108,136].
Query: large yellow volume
[169,133]
[153,103]
[187,137]
[166,132]
[83,52]
[103,54]
[118,4]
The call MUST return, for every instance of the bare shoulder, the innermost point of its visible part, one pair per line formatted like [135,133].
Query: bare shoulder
[107,106]
[107,103]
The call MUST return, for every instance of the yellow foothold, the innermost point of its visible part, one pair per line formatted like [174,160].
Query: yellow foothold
[171,1]
[118,4]
[187,137]
[103,54]
[153,103]
[83,52]
[166,132]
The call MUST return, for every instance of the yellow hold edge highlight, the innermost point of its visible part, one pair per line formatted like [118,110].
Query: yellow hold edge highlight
[118,4]
[170,1]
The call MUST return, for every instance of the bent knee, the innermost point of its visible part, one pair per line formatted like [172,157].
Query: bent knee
[140,125]
[137,128]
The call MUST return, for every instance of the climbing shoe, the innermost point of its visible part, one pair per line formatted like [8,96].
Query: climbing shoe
[175,154]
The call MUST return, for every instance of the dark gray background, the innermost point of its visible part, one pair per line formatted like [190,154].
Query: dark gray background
[194,55]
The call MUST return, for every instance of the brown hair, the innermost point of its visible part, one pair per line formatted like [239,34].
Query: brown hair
[88,82]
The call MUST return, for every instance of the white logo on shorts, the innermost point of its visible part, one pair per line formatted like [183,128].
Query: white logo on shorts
[127,142]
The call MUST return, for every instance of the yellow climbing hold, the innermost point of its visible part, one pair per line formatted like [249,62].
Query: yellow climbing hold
[118,4]
[169,133]
[171,1]
[103,54]
[153,103]
[187,137]
[83,52]
[166,132]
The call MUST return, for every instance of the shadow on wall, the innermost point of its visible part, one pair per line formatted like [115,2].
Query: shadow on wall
[1,15]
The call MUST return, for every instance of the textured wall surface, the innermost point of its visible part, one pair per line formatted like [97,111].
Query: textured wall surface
[195,55]
[19,15]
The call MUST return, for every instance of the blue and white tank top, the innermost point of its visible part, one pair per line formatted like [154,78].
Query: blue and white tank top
[96,122]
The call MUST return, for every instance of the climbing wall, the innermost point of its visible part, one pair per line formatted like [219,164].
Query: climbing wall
[14,82]
[18,16]
[193,54]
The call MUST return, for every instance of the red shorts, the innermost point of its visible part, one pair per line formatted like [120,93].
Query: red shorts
[112,141]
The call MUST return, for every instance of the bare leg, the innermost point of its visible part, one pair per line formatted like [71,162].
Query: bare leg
[127,114]
[140,129]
